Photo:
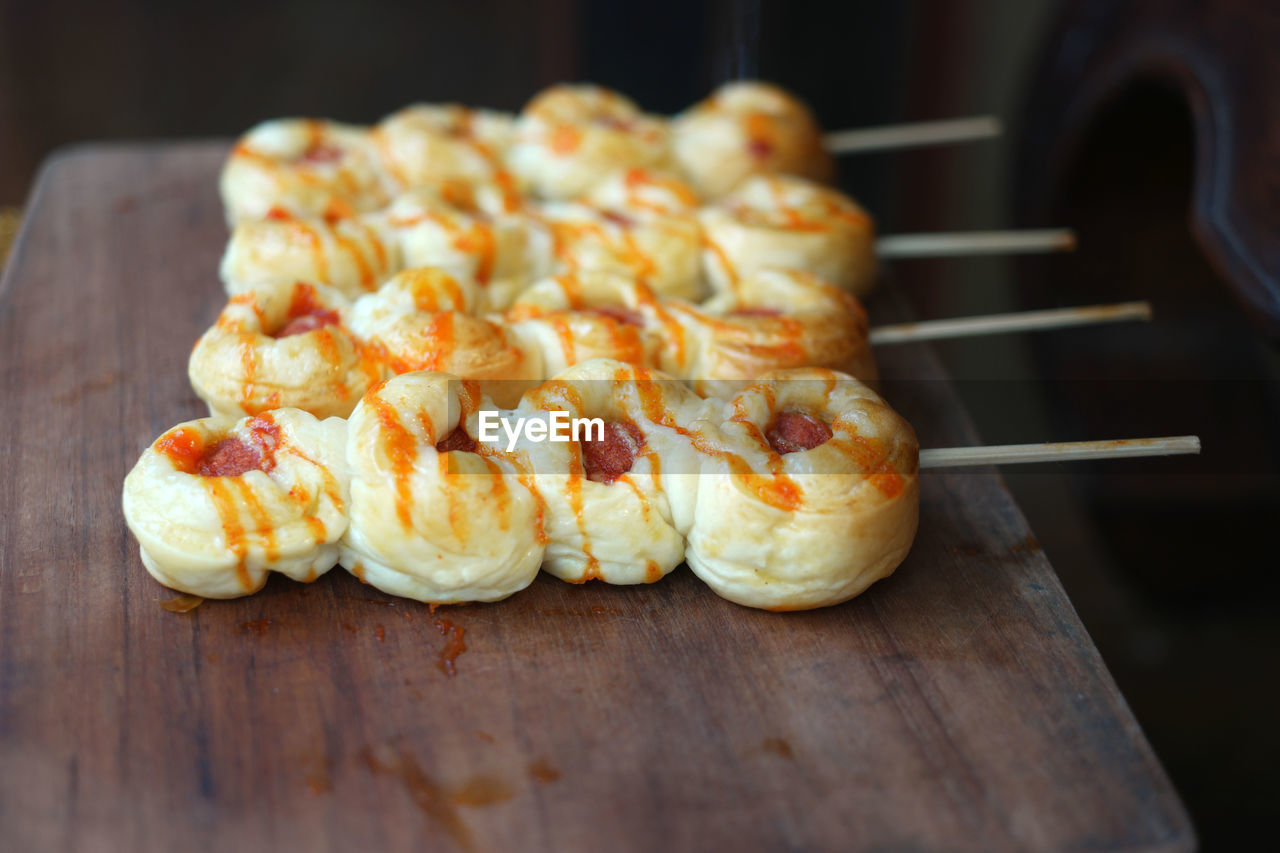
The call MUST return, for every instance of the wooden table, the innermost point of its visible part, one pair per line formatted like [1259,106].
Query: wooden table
[957,705]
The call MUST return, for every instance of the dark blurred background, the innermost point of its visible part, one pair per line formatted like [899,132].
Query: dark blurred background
[1174,572]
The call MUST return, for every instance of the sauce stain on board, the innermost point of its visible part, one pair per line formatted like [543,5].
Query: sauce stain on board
[778,746]
[542,771]
[437,802]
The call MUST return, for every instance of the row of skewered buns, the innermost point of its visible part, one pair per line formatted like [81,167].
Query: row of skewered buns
[293,344]
[565,141]
[794,491]
[637,223]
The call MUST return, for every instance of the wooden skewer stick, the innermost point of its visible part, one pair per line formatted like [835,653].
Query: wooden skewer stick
[1017,321]
[958,243]
[914,135]
[1063,451]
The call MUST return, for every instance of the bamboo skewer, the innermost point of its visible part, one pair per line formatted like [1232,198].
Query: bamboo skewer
[913,135]
[1018,321]
[1063,451]
[960,243]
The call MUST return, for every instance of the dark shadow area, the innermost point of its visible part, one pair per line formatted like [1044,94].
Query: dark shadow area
[1176,578]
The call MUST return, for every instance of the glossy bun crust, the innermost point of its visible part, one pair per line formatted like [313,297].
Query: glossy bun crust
[282,344]
[748,128]
[216,503]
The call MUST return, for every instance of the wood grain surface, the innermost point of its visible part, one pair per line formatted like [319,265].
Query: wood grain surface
[957,705]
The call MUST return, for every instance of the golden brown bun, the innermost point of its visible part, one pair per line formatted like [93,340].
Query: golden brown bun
[219,536]
[748,128]
[788,223]
[352,255]
[813,527]
[426,144]
[439,526]
[776,319]
[400,335]
[570,138]
[240,366]
[302,167]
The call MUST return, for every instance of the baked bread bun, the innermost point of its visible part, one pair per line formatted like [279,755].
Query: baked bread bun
[468,232]
[419,321]
[607,511]
[569,138]
[216,503]
[428,144]
[566,338]
[664,252]
[281,344]
[432,520]
[809,493]
[640,193]
[748,128]
[774,319]
[788,223]
[302,167]
[352,255]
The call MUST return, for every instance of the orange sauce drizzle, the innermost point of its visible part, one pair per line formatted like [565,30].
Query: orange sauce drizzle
[380,141]
[303,233]
[540,513]
[232,529]
[723,259]
[338,209]
[675,332]
[500,494]
[368,280]
[573,490]
[510,195]
[327,340]
[249,369]
[479,241]
[459,519]
[565,336]
[637,179]
[402,449]
[760,135]
[319,533]
[642,263]
[263,525]
[460,194]
[564,140]
[775,489]
[871,457]
[227,323]
[184,447]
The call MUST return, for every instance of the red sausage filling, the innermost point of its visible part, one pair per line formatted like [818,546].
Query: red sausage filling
[234,456]
[608,458]
[456,440]
[794,431]
[308,323]
[618,218]
[618,314]
[306,314]
[760,148]
[321,153]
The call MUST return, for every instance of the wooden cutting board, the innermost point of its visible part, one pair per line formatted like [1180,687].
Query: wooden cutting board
[959,704]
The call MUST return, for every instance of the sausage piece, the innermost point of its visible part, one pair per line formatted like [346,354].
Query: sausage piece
[608,458]
[230,457]
[794,431]
[308,323]
[456,440]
